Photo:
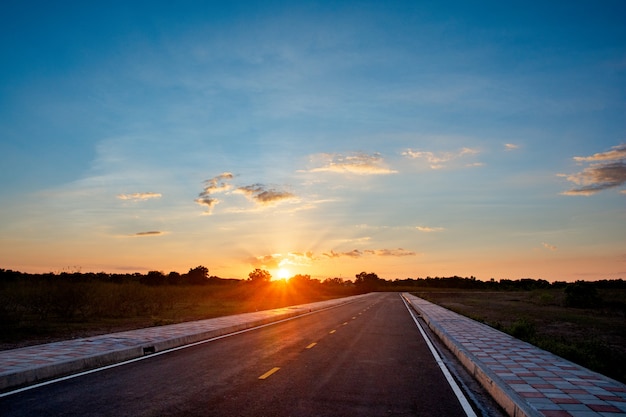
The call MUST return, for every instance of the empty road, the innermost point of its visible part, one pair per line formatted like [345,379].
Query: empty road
[366,358]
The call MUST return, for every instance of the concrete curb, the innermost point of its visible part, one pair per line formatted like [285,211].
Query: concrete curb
[143,344]
[509,400]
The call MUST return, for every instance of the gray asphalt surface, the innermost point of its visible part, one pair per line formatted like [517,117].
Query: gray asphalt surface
[366,358]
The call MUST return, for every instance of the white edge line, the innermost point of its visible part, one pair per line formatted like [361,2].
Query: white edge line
[469,411]
[114,365]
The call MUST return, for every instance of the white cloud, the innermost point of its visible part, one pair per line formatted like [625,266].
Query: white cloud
[427,229]
[138,196]
[359,164]
[439,160]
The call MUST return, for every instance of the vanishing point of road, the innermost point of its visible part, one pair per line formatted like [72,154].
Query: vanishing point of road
[365,358]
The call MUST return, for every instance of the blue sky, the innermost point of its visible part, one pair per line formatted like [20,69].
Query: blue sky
[405,138]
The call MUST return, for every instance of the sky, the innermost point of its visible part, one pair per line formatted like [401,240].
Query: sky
[408,139]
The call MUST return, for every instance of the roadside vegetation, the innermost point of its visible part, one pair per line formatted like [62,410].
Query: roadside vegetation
[584,322]
[40,308]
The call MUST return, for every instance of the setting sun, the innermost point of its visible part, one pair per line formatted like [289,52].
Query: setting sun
[283,273]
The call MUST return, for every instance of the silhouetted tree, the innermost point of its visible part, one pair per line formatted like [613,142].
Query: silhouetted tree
[153,278]
[174,278]
[366,282]
[260,276]
[198,275]
[300,279]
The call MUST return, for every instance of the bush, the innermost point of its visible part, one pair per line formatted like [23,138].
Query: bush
[582,294]
[523,329]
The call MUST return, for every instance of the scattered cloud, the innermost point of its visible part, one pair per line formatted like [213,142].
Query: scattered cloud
[510,147]
[427,229]
[138,196]
[548,246]
[607,170]
[150,233]
[264,196]
[616,153]
[217,184]
[298,259]
[440,160]
[391,252]
[278,260]
[359,164]
[356,253]
[265,261]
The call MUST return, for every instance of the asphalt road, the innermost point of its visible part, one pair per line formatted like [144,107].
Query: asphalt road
[366,358]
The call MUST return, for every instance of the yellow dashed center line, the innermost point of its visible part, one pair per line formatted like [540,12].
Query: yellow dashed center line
[345,323]
[269,373]
[311,345]
[332,331]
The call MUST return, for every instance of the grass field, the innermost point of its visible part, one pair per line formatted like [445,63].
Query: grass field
[42,312]
[34,311]
[592,337]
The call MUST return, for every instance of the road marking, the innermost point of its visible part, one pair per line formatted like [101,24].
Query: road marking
[269,373]
[469,412]
[353,318]
[332,331]
[345,323]
[311,345]
[163,352]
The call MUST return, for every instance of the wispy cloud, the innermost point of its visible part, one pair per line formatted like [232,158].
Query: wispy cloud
[427,229]
[439,160]
[150,233]
[138,196]
[391,252]
[217,184]
[359,164]
[356,253]
[607,170]
[510,147]
[616,153]
[265,261]
[278,260]
[264,196]
[548,246]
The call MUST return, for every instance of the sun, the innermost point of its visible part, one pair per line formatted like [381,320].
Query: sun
[283,273]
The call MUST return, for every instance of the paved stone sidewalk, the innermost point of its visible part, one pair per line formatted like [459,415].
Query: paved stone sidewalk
[32,364]
[525,380]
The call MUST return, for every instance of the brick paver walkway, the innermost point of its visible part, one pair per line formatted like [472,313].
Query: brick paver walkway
[525,380]
[521,377]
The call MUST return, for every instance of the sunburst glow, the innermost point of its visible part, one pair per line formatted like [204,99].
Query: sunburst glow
[283,273]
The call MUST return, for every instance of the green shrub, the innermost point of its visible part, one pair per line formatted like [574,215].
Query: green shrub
[523,329]
[582,294]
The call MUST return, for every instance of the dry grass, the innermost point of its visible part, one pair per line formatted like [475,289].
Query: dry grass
[35,313]
[594,338]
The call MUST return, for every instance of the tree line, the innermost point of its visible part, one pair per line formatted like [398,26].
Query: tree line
[363,281]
